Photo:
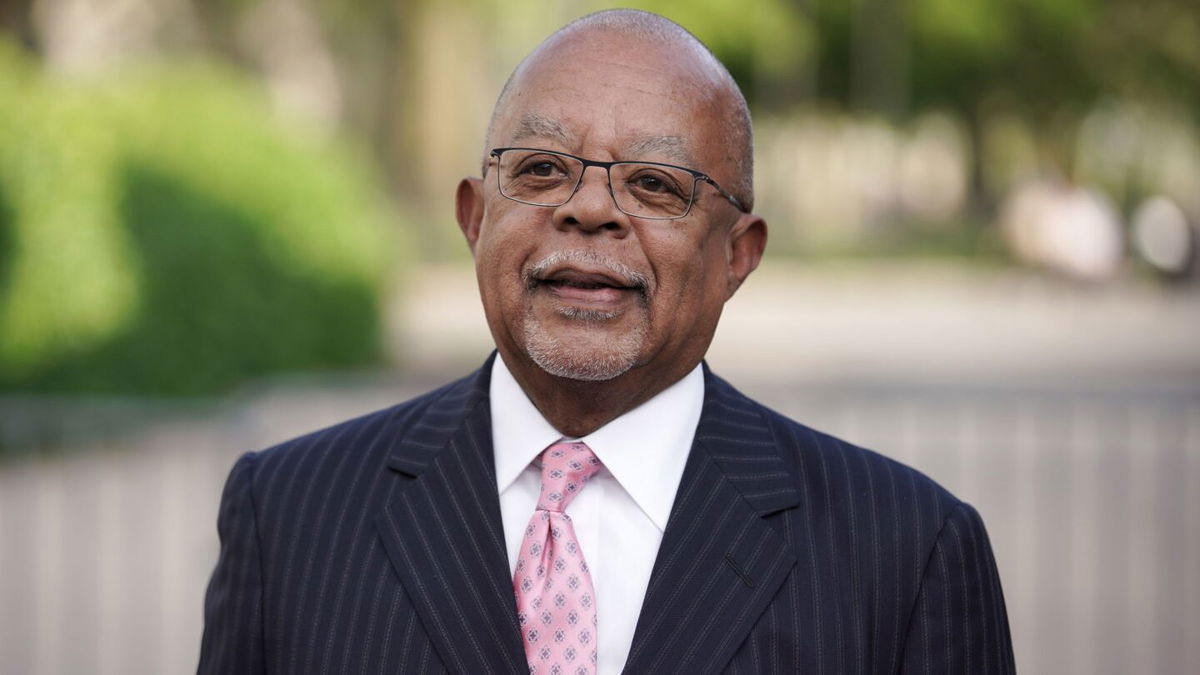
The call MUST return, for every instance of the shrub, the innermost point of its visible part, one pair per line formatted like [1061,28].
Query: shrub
[166,232]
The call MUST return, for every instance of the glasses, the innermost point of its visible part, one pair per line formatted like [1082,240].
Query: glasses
[641,189]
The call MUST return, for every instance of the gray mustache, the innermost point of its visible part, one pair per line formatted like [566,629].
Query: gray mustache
[627,275]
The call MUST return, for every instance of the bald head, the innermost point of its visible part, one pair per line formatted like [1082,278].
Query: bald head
[702,76]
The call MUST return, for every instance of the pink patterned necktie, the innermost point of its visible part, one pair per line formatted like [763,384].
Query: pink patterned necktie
[556,604]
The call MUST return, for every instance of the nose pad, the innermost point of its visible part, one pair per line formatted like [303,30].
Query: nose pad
[593,205]
[603,182]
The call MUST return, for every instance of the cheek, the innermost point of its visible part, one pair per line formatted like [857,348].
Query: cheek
[503,250]
[691,277]
[498,243]
[493,265]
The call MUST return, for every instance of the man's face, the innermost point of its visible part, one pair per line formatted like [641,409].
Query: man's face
[583,290]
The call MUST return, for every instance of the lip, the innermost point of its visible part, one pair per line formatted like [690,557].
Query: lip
[588,286]
[576,276]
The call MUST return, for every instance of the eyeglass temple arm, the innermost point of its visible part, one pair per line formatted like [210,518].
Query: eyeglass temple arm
[733,200]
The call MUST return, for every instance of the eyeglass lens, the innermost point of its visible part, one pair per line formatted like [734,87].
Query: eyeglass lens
[549,179]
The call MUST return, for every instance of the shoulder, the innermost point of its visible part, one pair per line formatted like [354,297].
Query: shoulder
[369,439]
[860,470]
[842,478]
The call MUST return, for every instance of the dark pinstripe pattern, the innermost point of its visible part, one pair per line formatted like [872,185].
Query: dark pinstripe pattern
[375,546]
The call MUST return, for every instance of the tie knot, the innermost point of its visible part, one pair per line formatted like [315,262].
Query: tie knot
[565,468]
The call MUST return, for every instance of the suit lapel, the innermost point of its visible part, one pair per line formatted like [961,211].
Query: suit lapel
[720,563]
[444,534]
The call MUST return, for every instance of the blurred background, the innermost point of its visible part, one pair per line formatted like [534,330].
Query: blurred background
[224,223]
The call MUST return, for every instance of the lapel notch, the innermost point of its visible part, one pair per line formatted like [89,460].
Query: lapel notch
[443,533]
[720,562]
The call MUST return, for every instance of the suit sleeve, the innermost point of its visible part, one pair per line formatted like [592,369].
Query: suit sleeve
[959,623]
[233,631]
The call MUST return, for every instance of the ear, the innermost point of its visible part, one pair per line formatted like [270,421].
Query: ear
[468,208]
[744,249]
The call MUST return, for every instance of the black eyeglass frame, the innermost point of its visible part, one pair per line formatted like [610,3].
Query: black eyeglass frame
[697,176]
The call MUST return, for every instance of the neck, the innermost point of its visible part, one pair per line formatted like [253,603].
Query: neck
[576,408]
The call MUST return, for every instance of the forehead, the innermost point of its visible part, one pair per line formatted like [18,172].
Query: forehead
[625,96]
[533,128]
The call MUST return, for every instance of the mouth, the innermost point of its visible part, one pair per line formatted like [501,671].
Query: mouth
[589,286]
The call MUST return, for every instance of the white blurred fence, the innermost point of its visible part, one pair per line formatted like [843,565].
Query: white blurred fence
[1092,499]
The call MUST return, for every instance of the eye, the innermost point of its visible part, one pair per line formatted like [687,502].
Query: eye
[650,183]
[541,166]
[543,169]
[654,182]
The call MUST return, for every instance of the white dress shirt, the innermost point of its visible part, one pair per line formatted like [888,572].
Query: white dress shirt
[643,452]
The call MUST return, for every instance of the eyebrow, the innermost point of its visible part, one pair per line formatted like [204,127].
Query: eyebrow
[533,124]
[674,147]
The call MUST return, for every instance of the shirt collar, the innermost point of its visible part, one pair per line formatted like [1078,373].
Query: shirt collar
[519,432]
[645,449]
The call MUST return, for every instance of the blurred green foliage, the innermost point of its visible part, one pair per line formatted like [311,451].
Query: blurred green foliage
[763,44]
[1016,77]
[167,232]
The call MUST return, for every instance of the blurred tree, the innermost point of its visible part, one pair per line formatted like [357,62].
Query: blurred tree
[16,19]
[164,232]
[415,78]
[1044,61]
[374,47]
[767,45]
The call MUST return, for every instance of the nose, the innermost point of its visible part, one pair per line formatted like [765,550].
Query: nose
[592,208]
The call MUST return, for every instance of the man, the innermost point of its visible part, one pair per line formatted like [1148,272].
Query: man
[594,499]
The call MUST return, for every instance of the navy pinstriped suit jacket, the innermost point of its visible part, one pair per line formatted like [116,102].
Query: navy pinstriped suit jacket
[375,546]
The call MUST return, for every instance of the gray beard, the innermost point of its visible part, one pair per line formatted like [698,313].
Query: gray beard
[572,361]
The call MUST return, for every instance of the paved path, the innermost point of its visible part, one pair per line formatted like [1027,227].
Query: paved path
[900,323]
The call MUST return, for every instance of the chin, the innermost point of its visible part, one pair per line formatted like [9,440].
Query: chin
[598,359]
